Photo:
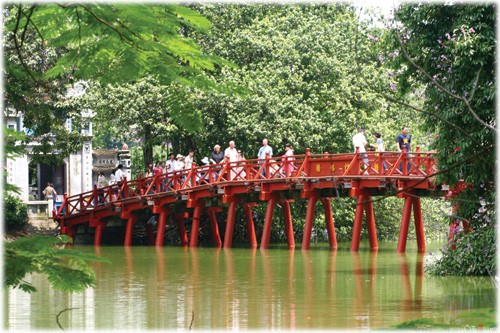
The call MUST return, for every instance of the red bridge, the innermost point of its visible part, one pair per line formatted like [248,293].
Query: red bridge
[312,177]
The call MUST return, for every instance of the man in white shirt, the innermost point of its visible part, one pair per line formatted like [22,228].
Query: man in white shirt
[188,161]
[359,140]
[170,163]
[119,173]
[231,152]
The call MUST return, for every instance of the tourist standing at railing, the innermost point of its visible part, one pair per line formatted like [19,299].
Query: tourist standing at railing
[359,141]
[287,160]
[170,163]
[119,173]
[112,179]
[157,170]
[179,164]
[149,171]
[239,170]
[119,179]
[404,140]
[217,155]
[188,161]
[379,146]
[231,155]
[263,151]
[101,182]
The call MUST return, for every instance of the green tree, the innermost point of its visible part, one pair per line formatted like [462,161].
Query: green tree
[448,52]
[50,47]
[302,66]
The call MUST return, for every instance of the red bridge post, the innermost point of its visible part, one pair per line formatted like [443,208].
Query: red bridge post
[405,224]
[287,217]
[252,238]
[129,228]
[268,221]
[213,226]
[358,220]
[228,234]
[370,223]
[411,201]
[179,217]
[330,224]
[311,204]
[162,221]
[195,226]
[419,225]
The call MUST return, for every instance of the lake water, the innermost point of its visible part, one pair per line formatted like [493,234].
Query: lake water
[207,288]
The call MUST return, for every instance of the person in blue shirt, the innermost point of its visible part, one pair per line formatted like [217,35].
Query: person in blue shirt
[404,140]
[263,151]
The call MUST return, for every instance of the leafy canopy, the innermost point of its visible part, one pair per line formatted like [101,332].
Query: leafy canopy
[66,269]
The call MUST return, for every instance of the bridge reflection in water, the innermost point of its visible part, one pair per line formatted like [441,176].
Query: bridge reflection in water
[217,288]
[210,189]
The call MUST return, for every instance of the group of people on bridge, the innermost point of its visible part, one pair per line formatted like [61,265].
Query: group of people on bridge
[232,154]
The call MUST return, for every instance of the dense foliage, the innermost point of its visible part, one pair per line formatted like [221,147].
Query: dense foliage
[66,269]
[448,53]
[301,65]
[471,252]
[16,212]
[49,48]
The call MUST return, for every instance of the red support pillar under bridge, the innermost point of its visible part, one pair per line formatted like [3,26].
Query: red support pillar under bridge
[201,193]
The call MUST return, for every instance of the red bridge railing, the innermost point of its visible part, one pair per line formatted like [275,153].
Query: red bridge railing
[414,165]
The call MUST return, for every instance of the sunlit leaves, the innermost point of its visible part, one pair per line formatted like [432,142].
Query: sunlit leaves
[66,269]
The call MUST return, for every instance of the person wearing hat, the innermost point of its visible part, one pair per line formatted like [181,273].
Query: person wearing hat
[179,164]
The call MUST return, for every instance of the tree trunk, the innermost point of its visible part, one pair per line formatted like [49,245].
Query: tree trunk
[148,147]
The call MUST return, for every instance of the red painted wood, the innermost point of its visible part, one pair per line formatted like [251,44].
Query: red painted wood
[252,238]
[358,220]
[330,224]
[195,227]
[306,238]
[287,217]
[214,227]
[405,224]
[268,221]
[370,223]
[228,234]
[419,225]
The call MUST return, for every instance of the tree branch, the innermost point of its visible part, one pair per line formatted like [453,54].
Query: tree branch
[28,19]
[17,46]
[475,84]
[61,312]
[106,23]
[34,26]
[79,33]
[441,87]
[430,114]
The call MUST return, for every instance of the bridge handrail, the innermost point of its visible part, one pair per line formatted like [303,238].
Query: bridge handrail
[367,164]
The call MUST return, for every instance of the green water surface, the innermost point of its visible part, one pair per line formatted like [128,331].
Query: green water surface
[207,288]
